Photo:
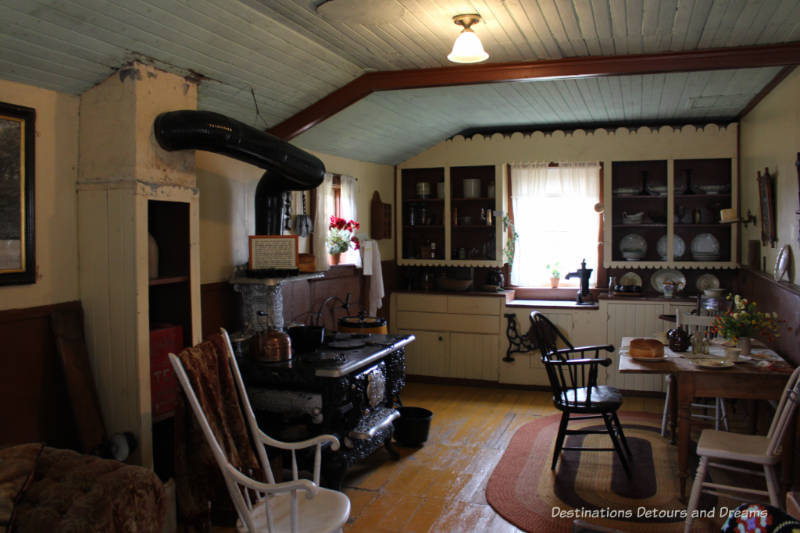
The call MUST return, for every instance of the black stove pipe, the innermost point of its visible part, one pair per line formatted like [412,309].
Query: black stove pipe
[288,168]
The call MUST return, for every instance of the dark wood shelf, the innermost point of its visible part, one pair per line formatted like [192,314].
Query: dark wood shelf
[168,280]
[711,225]
[472,226]
[651,225]
[704,196]
[479,199]
[425,201]
[638,197]
[423,227]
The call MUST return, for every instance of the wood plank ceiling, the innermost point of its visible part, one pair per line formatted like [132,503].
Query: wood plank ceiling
[292,53]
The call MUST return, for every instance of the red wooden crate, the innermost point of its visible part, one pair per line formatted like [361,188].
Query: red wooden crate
[163,385]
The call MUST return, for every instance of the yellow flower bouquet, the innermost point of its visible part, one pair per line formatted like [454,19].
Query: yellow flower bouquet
[744,320]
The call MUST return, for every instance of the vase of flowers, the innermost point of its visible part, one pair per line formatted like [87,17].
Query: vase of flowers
[743,321]
[341,237]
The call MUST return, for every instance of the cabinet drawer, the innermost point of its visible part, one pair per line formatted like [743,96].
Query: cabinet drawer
[447,322]
[473,305]
[434,303]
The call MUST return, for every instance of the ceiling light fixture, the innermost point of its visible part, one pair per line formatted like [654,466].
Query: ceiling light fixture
[467,48]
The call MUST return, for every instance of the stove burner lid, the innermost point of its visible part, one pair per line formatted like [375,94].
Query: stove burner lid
[346,344]
[321,358]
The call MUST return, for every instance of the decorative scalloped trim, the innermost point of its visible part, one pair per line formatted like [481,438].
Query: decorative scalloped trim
[622,131]
[632,265]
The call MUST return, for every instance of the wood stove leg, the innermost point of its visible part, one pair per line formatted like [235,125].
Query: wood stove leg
[391,449]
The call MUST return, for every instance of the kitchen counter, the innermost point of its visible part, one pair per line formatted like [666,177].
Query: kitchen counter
[552,304]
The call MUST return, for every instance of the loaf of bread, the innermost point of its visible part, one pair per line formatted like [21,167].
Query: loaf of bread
[646,348]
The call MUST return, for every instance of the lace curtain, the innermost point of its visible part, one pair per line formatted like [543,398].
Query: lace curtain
[323,210]
[555,219]
[348,211]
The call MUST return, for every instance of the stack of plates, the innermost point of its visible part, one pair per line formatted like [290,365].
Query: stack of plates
[678,247]
[705,247]
[633,247]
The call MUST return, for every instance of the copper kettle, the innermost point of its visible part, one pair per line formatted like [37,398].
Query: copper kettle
[273,345]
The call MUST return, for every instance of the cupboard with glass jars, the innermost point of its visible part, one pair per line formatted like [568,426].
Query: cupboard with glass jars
[449,216]
[667,213]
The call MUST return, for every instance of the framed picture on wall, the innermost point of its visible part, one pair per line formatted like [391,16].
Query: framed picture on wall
[17,246]
[766,200]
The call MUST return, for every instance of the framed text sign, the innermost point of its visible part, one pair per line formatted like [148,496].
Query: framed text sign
[273,252]
[17,247]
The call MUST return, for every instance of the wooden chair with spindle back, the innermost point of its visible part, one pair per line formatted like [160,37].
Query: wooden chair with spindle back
[572,372]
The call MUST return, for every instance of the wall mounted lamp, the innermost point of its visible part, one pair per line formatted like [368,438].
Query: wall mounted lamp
[468,47]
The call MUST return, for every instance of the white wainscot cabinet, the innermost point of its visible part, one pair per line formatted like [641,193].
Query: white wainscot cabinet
[457,336]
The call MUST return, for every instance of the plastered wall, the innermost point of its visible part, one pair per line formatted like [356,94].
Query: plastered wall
[227,209]
[55,211]
[770,138]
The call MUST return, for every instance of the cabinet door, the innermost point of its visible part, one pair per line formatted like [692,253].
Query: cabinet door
[633,320]
[429,354]
[473,356]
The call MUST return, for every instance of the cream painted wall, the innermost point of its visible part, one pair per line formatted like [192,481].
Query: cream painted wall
[770,138]
[55,198]
[227,191]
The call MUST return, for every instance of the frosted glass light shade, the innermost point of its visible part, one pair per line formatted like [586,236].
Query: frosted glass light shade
[467,49]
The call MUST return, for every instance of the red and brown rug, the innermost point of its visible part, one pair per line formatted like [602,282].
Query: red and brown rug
[591,486]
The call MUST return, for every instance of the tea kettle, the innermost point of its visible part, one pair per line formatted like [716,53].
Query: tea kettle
[272,345]
[678,339]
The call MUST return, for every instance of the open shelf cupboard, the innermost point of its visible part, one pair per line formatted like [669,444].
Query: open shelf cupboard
[450,216]
[666,214]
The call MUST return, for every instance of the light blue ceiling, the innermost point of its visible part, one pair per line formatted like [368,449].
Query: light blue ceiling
[292,53]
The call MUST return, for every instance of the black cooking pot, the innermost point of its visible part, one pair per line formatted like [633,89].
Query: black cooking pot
[306,339]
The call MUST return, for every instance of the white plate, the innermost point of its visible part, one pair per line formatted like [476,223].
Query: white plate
[648,358]
[712,363]
[631,278]
[782,263]
[705,244]
[707,281]
[633,243]
[627,190]
[678,247]
[658,278]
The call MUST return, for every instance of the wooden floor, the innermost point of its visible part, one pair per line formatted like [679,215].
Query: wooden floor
[439,487]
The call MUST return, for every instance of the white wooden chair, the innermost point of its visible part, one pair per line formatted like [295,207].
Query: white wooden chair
[271,507]
[764,450]
[696,324]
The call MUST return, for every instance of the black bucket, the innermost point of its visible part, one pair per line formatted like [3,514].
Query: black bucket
[413,425]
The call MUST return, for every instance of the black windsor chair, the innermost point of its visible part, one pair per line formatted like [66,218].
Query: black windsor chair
[573,378]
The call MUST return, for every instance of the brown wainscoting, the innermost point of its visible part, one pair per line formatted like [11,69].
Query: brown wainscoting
[784,299]
[220,307]
[34,405]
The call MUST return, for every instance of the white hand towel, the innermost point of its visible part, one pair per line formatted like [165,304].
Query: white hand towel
[372,267]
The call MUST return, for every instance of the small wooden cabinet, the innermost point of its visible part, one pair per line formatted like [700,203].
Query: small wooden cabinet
[450,216]
[666,213]
[457,336]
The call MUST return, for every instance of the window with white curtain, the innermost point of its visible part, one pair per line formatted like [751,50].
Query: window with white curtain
[554,215]
[336,196]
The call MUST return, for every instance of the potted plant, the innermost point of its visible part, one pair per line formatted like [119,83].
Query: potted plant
[555,274]
[744,321]
[341,237]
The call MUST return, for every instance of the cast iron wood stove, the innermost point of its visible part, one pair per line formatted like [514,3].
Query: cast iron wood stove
[349,387]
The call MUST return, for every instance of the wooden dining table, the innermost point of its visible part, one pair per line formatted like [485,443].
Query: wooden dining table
[750,379]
